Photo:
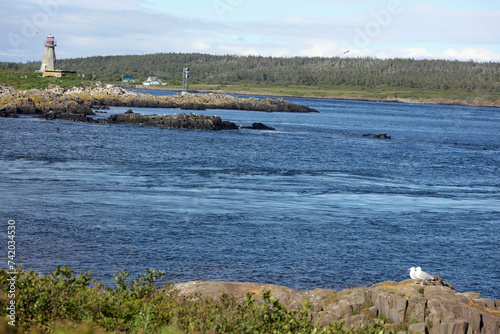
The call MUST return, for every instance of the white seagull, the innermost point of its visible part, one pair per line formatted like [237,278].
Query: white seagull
[423,275]
[412,273]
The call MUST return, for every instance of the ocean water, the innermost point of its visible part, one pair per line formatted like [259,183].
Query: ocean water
[311,205]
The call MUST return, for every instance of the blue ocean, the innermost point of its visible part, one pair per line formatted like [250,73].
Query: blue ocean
[314,204]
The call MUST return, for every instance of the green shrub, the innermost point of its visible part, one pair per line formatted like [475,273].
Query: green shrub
[64,302]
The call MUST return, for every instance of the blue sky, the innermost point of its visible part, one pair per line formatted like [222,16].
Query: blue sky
[442,29]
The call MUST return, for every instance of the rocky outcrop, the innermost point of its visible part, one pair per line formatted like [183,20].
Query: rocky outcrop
[48,101]
[79,100]
[404,306]
[76,104]
[176,121]
[116,96]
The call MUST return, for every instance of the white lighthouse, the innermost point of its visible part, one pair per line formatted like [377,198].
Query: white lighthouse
[49,56]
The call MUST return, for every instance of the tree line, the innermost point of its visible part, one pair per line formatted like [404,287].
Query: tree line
[233,69]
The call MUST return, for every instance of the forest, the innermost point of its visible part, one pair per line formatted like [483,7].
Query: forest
[276,71]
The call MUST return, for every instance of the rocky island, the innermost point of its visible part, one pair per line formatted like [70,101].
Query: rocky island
[77,103]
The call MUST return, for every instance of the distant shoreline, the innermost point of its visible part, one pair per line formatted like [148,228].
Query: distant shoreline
[434,101]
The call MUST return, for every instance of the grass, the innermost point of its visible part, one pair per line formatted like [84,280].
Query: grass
[461,96]
[64,302]
[32,80]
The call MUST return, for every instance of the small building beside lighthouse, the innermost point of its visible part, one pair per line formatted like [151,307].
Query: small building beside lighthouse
[48,67]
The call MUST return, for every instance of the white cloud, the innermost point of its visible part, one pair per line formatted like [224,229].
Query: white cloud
[108,5]
[199,45]
[427,23]
[322,49]
[238,50]
[91,27]
[476,54]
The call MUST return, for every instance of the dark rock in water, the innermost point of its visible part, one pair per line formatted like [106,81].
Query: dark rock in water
[177,121]
[8,114]
[380,136]
[128,117]
[228,125]
[68,116]
[76,118]
[258,126]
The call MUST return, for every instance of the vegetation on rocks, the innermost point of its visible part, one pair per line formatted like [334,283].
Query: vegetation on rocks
[64,302]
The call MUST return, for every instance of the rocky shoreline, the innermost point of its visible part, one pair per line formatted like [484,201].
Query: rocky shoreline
[406,306]
[77,103]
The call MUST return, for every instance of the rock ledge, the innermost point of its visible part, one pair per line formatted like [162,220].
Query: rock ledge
[404,305]
[79,100]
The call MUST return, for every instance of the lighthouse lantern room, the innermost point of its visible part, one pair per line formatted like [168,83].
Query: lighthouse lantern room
[50,41]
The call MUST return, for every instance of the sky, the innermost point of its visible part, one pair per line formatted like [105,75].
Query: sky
[438,29]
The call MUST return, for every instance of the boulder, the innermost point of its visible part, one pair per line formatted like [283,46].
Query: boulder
[380,136]
[238,291]
[258,126]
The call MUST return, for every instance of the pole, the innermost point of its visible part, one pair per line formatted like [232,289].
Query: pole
[185,77]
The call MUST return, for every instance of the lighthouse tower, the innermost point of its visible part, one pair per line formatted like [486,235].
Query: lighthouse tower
[49,56]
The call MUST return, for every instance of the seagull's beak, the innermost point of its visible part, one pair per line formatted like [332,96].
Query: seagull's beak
[409,269]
